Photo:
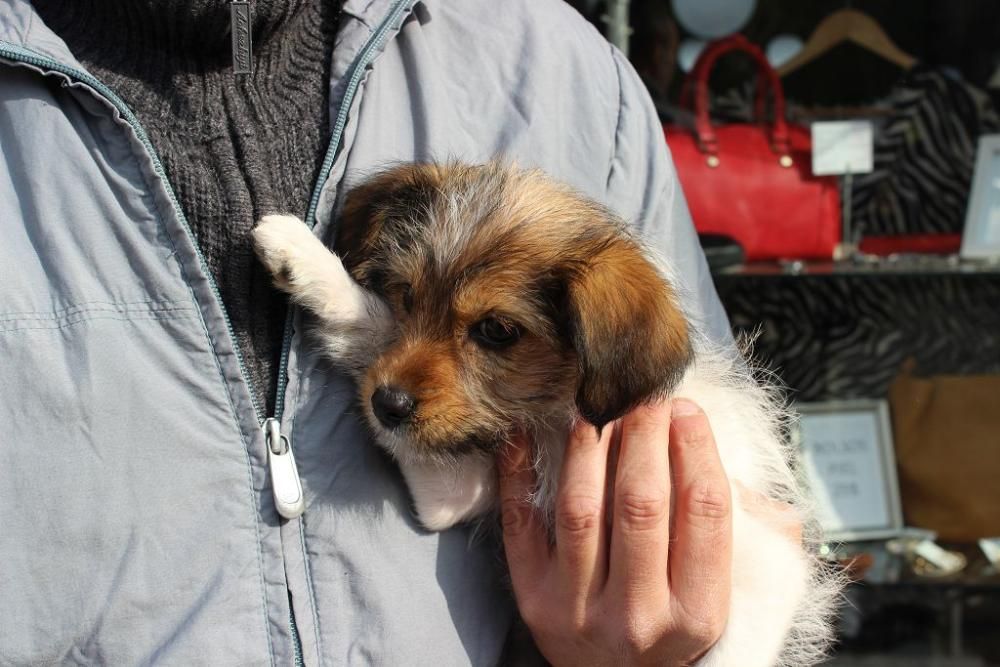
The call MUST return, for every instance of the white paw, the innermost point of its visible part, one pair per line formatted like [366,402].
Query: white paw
[281,240]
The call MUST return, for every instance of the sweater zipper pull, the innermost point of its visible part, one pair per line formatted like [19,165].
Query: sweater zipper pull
[239,26]
[285,480]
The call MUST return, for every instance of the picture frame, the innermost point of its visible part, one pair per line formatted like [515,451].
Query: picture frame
[849,462]
[981,236]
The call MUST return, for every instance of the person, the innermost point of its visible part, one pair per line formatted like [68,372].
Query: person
[144,348]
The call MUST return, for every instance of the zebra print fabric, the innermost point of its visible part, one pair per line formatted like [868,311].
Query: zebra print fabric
[846,336]
[925,152]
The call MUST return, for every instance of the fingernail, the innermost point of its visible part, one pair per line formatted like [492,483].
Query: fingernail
[682,407]
[584,430]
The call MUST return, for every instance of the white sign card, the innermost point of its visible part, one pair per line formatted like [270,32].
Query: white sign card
[981,237]
[842,147]
[849,463]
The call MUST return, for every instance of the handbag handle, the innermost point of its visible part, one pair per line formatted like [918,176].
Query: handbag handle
[707,141]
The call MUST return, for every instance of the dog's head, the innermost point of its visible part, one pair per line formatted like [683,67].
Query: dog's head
[517,300]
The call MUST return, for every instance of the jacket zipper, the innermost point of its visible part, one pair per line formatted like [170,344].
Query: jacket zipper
[285,480]
[20,54]
[362,61]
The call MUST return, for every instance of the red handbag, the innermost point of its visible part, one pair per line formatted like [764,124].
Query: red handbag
[753,182]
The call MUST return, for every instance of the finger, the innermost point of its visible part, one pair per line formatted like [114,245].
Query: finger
[524,538]
[581,532]
[640,533]
[780,516]
[701,554]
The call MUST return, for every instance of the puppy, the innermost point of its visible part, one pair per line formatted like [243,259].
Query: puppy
[472,301]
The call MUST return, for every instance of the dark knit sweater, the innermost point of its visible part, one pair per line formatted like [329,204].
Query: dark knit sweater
[233,147]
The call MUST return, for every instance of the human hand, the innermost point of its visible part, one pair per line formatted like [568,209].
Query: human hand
[625,583]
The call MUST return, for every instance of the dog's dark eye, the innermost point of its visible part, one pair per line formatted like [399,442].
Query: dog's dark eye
[407,293]
[495,333]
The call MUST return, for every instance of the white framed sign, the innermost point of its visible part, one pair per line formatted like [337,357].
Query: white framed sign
[850,465]
[981,237]
[842,147]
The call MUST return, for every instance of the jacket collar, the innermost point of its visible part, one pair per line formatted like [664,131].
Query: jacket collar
[20,25]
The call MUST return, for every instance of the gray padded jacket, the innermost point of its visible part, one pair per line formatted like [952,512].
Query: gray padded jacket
[137,524]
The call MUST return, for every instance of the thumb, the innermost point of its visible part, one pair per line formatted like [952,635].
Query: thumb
[524,537]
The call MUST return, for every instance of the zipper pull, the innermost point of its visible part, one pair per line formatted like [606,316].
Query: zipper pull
[285,480]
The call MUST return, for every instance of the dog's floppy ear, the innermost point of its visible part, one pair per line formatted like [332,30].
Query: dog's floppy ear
[630,336]
[371,209]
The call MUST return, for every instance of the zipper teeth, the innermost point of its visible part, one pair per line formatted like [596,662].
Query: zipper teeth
[21,54]
[365,57]
[296,640]
[360,65]
[18,53]
[362,62]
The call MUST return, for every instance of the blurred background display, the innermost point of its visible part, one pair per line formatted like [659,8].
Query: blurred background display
[871,288]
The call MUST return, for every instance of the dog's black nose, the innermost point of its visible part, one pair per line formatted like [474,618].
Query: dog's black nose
[392,406]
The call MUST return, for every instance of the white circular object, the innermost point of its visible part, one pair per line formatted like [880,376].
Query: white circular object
[711,19]
[783,48]
[688,52]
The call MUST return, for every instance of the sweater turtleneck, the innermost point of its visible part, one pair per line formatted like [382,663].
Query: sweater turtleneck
[233,147]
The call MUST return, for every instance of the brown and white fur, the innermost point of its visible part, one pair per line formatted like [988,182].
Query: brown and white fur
[472,301]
